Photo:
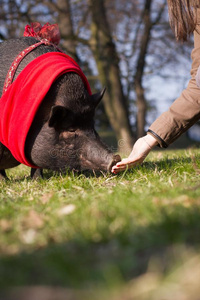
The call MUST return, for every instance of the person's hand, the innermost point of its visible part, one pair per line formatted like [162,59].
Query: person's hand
[141,149]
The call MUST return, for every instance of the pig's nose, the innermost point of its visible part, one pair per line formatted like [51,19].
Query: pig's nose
[115,159]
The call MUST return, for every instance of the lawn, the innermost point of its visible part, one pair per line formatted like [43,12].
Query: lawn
[130,236]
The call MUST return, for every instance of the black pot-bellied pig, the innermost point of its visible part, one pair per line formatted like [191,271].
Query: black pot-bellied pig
[47,113]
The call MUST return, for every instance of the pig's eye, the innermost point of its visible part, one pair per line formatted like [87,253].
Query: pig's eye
[67,135]
[71,130]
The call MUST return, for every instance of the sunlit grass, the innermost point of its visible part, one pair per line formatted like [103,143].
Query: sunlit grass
[99,231]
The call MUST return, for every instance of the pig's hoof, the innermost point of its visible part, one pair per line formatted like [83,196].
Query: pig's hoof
[36,173]
[3,175]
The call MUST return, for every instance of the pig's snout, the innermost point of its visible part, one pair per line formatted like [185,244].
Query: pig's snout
[115,159]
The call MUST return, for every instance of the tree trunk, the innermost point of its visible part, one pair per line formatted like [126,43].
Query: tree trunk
[139,90]
[141,109]
[107,61]
[66,28]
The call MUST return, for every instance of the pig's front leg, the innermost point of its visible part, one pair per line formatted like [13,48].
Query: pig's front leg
[36,173]
[3,174]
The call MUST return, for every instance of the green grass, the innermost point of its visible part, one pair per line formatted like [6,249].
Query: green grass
[100,232]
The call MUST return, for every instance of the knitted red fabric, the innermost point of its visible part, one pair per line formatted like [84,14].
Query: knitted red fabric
[20,102]
[48,31]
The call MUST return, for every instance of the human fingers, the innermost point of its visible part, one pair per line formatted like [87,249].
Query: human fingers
[124,165]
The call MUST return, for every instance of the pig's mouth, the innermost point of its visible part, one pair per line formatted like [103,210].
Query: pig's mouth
[89,167]
[116,159]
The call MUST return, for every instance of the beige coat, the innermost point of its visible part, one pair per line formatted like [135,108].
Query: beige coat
[185,111]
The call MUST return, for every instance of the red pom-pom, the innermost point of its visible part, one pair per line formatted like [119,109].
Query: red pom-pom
[48,32]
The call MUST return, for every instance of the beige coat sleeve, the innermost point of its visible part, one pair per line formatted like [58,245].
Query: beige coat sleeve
[185,111]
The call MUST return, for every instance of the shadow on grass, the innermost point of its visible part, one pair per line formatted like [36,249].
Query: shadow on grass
[47,174]
[165,163]
[87,173]
[82,263]
[159,165]
[168,163]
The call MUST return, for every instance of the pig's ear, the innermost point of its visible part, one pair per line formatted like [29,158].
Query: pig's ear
[96,98]
[57,114]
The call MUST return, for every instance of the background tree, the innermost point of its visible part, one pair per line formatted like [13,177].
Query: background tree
[148,24]
[105,54]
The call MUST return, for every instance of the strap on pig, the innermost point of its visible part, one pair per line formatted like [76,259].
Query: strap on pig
[21,99]
[47,35]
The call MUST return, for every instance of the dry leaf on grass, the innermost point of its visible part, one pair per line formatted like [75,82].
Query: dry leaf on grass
[66,210]
[28,237]
[46,197]
[33,220]
[5,225]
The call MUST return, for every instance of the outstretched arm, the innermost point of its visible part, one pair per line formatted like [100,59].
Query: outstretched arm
[141,149]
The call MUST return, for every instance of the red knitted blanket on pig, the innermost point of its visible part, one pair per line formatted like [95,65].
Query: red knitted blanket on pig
[20,102]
